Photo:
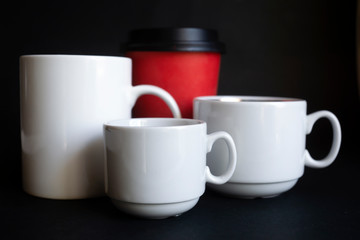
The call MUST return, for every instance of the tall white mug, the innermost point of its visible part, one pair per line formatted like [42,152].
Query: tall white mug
[270,135]
[65,99]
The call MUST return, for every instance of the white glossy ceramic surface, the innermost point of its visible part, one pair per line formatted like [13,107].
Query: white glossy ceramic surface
[155,211]
[254,190]
[65,99]
[156,167]
[270,136]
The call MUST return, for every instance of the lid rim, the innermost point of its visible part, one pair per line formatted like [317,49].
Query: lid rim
[175,39]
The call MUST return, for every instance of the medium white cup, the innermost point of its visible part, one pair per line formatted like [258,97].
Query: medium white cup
[156,167]
[270,135]
[65,99]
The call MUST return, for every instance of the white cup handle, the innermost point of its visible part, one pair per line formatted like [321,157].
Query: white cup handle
[311,119]
[211,138]
[139,90]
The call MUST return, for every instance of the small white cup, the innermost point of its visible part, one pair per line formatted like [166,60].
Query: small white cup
[270,135]
[156,167]
[65,99]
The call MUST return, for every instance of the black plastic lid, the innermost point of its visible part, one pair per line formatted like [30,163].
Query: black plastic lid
[175,39]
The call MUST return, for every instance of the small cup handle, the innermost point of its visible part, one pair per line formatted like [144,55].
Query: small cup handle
[139,90]
[211,138]
[311,119]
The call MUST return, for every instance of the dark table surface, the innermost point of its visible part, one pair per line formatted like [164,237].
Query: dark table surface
[323,205]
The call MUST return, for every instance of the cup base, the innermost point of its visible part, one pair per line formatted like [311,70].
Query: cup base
[253,190]
[155,211]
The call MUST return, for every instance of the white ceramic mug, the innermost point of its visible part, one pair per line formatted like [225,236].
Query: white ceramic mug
[156,167]
[270,135]
[65,99]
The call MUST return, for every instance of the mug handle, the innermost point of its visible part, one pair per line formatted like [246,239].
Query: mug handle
[311,119]
[211,138]
[139,90]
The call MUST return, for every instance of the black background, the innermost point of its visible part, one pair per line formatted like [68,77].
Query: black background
[298,48]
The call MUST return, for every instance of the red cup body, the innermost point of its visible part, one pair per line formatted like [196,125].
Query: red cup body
[185,75]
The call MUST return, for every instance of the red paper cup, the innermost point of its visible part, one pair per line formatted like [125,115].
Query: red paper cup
[183,61]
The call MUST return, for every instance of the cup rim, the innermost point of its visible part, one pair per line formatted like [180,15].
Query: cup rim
[236,99]
[55,55]
[152,123]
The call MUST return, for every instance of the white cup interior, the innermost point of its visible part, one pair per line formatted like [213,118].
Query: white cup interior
[237,99]
[152,122]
